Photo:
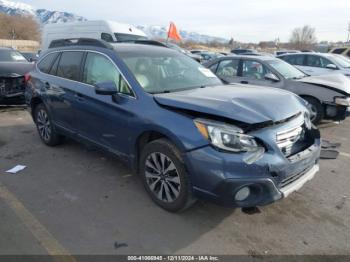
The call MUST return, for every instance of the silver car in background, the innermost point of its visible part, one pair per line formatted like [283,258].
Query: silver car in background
[318,63]
[328,95]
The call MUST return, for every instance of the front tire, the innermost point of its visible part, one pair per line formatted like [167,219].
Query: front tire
[165,177]
[44,126]
[316,110]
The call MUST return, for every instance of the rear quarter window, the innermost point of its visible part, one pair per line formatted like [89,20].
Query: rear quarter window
[45,64]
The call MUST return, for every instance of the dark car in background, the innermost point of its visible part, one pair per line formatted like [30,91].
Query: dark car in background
[208,55]
[175,124]
[13,67]
[196,57]
[328,95]
[239,51]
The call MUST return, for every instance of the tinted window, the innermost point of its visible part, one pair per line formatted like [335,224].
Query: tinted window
[338,50]
[45,64]
[317,61]
[294,59]
[53,70]
[348,53]
[107,37]
[254,69]
[99,69]
[228,68]
[69,65]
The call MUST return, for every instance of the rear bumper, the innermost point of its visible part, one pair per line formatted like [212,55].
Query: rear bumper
[11,90]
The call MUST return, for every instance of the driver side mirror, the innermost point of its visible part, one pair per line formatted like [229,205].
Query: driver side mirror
[331,66]
[106,88]
[272,77]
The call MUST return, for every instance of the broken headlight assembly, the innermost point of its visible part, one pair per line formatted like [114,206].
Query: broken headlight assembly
[230,138]
[342,101]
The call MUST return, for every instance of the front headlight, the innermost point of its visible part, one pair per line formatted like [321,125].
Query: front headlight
[343,101]
[226,137]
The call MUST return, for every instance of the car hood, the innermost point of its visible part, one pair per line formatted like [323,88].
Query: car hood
[8,69]
[337,81]
[248,104]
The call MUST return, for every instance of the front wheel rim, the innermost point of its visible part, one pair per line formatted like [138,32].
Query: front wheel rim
[44,126]
[313,112]
[162,177]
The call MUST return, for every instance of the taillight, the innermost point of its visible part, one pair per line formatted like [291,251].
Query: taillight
[27,77]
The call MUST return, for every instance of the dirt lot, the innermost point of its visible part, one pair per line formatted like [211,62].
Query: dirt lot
[71,199]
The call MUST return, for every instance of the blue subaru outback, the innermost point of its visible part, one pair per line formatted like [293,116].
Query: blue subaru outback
[174,123]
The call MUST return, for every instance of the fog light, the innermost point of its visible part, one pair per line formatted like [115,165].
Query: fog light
[242,194]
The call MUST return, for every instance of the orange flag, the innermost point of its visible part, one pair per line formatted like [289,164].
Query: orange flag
[173,33]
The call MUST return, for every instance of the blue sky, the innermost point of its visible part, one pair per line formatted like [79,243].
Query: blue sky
[247,20]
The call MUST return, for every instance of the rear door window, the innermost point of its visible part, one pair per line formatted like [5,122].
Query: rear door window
[317,61]
[254,70]
[45,64]
[69,65]
[228,68]
[295,59]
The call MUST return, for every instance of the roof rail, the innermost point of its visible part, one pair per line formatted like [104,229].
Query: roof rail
[80,41]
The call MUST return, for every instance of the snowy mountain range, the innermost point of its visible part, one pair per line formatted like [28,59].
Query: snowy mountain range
[44,16]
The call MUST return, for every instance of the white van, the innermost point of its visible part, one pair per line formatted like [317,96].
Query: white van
[106,30]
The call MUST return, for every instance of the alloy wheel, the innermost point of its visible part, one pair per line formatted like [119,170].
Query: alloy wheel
[162,177]
[313,112]
[44,125]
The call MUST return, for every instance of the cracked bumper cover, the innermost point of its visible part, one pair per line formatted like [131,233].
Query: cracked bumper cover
[218,176]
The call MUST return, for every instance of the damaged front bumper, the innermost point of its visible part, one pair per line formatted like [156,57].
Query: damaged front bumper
[336,112]
[221,176]
[12,89]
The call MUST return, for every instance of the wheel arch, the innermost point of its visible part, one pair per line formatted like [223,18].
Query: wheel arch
[34,103]
[148,136]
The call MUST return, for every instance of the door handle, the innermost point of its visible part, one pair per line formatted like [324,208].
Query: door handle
[47,85]
[79,97]
[244,82]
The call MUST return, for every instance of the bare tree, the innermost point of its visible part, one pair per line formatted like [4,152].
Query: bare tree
[19,27]
[303,38]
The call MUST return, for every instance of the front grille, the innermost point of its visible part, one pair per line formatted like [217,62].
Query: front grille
[286,139]
[9,86]
[293,178]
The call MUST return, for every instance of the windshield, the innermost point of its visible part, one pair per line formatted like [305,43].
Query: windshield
[160,72]
[342,61]
[128,37]
[11,56]
[286,70]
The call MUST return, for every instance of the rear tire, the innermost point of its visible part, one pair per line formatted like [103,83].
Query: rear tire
[44,126]
[165,177]
[316,110]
